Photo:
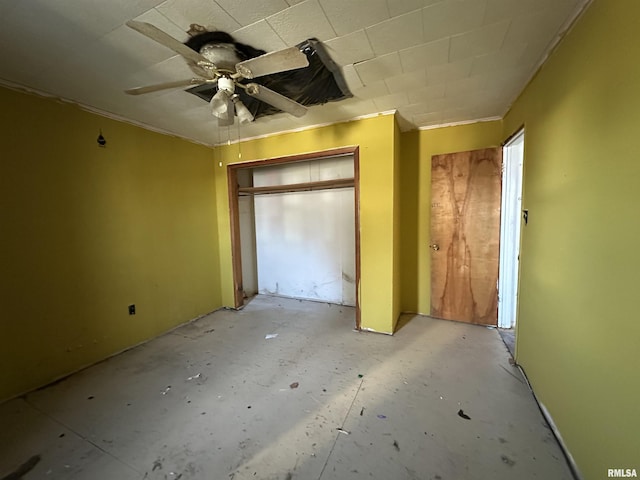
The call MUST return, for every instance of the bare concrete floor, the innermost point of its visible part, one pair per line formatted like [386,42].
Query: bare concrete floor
[215,399]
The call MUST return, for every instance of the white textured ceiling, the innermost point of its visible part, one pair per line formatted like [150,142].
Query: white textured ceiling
[434,61]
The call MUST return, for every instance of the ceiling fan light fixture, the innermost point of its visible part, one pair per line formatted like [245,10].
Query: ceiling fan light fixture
[242,112]
[219,103]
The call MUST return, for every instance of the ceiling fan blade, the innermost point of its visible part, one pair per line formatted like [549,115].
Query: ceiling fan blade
[154,33]
[274,98]
[166,85]
[273,62]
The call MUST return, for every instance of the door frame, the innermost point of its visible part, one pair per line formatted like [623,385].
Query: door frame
[510,229]
[234,213]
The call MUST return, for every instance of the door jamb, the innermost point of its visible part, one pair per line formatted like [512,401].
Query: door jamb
[510,251]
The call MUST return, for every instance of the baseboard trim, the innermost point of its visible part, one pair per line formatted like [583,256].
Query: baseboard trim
[573,466]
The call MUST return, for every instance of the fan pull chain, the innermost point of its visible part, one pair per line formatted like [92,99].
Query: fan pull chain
[219,149]
[239,147]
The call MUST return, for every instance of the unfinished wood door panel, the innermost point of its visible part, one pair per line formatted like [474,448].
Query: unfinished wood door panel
[465,235]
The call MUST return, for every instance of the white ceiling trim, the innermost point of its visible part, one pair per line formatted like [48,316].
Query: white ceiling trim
[457,124]
[302,129]
[112,116]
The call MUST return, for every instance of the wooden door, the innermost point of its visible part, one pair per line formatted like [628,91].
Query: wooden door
[465,235]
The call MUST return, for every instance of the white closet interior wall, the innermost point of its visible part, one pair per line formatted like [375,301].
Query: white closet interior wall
[304,241]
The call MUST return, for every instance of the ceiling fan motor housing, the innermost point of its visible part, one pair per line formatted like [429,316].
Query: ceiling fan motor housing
[223,55]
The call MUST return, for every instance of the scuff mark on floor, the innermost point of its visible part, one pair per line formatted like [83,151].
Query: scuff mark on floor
[23,469]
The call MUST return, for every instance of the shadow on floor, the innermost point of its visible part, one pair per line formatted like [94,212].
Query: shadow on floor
[508,336]
[404,319]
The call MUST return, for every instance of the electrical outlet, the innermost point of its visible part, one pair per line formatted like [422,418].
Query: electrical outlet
[132,309]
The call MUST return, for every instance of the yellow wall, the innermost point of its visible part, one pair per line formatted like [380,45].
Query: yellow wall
[86,231]
[578,328]
[397,225]
[417,148]
[375,137]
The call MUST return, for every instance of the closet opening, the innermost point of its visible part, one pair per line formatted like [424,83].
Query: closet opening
[295,227]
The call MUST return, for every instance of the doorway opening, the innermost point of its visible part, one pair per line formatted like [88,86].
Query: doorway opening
[295,227]
[510,226]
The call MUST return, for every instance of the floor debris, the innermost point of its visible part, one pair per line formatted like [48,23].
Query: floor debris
[342,430]
[395,444]
[269,336]
[382,416]
[506,460]
[166,390]
[294,385]
[362,411]
[195,376]
[461,414]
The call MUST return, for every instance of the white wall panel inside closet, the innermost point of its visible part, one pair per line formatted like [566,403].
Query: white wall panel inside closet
[305,241]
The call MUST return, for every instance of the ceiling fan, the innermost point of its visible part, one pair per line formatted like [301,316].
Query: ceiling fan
[218,64]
